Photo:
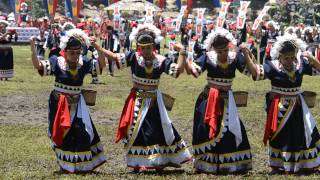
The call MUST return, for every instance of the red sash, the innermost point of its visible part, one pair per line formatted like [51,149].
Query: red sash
[61,121]
[126,116]
[213,111]
[272,118]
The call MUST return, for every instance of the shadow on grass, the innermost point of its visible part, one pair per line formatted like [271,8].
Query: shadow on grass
[162,172]
[98,173]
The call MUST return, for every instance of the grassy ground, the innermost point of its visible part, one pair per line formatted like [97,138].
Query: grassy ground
[25,149]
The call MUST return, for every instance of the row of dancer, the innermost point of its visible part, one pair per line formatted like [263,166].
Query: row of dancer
[220,143]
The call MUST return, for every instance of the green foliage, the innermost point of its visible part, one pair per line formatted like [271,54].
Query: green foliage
[37,10]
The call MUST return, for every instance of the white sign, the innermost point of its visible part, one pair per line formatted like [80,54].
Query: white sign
[241,19]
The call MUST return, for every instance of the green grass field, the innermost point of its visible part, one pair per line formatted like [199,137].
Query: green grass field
[25,151]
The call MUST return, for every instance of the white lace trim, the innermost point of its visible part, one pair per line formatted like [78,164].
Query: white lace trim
[286,91]
[63,65]
[156,62]
[67,89]
[213,57]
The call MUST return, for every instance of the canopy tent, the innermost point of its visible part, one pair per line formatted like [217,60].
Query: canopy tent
[133,5]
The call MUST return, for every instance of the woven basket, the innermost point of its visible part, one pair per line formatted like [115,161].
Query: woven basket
[310,98]
[168,101]
[89,96]
[241,98]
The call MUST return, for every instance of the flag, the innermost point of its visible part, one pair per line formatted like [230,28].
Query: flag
[17,5]
[13,5]
[217,3]
[189,5]
[106,3]
[73,7]
[76,6]
[178,2]
[160,3]
[50,6]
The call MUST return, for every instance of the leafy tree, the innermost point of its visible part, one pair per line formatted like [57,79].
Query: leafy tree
[37,8]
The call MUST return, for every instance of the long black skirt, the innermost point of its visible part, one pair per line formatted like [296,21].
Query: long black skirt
[287,147]
[220,154]
[77,153]
[6,63]
[149,149]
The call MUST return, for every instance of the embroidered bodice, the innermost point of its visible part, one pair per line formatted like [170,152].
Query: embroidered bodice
[138,68]
[221,73]
[64,79]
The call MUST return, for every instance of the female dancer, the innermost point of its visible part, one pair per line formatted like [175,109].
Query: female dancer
[6,53]
[290,129]
[74,137]
[220,143]
[145,127]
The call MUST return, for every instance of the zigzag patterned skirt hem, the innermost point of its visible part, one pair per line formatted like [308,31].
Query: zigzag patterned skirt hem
[288,150]
[220,154]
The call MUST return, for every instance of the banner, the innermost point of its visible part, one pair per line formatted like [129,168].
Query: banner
[76,7]
[200,21]
[160,3]
[116,18]
[50,7]
[106,3]
[73,7]
[222,14]
[25,33]
[13,5]
[224,9]
[220,22]
[149,16]
[179,19]
[217,3]
[258,20]
[178,3]
[243,9]
[187,3]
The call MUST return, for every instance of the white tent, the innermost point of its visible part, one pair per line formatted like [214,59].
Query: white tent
[133,5]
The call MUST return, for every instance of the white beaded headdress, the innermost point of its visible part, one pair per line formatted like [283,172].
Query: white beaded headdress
[157,32]
[278,45]
[77,33]
[218,32]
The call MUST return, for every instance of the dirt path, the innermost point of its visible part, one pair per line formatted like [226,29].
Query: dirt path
[33,109]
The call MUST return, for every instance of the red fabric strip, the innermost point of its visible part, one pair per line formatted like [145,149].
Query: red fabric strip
[213,111]
[126,116]
[268,49]
[272,119]
[61,121]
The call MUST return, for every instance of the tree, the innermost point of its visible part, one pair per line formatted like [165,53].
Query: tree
[37,8]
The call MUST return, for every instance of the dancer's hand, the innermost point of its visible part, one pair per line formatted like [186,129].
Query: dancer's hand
[32,39]
[243,47]
[178,47]
[309,56]
[93,39]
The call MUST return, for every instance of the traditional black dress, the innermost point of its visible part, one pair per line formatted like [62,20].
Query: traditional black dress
[145,127]
[6,58]
[228,150]
[76,143]
[291,130]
